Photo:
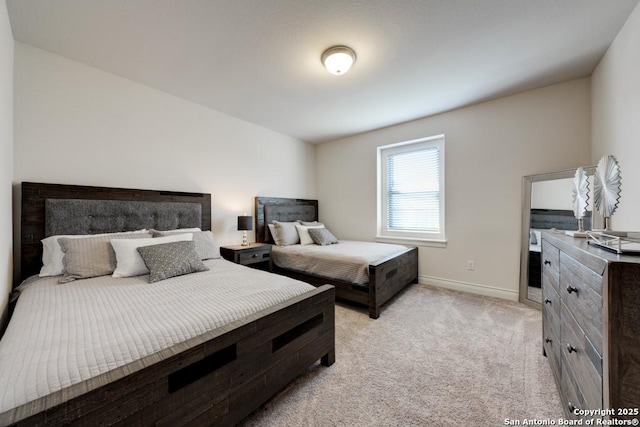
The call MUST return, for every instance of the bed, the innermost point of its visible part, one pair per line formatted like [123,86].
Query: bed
[217,375]
[386,276]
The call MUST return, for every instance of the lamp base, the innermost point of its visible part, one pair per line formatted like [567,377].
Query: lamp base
[245,241]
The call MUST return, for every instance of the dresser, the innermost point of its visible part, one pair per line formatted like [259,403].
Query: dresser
[591,325]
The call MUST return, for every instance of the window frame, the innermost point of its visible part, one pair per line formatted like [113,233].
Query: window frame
[413,237]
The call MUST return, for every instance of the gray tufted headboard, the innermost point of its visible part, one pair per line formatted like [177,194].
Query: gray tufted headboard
[268,209]
[77,216]
[53,209]
[558,219]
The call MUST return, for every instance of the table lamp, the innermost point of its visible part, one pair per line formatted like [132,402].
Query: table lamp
[245,223]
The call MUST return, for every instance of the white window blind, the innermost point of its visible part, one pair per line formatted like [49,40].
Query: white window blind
[411,189]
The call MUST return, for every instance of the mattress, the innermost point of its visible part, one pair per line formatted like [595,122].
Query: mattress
[62,334]
[348,260]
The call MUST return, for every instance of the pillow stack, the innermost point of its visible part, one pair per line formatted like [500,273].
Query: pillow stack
[301,232]
[161,254]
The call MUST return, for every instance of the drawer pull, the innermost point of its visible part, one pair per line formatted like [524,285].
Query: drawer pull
[547,301]
[571,289]
[547,262]
[255,255]
[571,349]
[548,340]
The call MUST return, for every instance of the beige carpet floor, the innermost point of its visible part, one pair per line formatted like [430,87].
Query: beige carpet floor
[435,357]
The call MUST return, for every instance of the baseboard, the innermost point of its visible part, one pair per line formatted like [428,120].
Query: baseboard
[473,288]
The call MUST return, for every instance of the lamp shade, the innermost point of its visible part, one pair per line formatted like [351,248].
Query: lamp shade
[245,223]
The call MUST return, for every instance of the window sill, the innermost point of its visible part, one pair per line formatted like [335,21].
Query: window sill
[413,241]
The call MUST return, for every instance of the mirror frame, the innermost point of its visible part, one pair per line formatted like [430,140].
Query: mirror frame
[527,182]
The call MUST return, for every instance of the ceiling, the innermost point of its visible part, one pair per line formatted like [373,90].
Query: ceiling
[259,60]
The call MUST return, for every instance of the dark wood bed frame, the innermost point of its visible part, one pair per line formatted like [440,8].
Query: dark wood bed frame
[218,378]
[387,276]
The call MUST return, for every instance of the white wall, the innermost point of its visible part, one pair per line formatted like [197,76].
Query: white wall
[615,86]
[489,148]
[78,125]
[6,157]
[555,194]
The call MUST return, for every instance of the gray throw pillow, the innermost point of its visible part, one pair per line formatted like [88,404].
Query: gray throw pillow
[322,236]
[532,238]
[171,259]
[205,242]
[91,257]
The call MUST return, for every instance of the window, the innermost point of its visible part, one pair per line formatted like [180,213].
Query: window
[411,190]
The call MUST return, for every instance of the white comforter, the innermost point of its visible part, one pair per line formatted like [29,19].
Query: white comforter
[347,260]
[62,334]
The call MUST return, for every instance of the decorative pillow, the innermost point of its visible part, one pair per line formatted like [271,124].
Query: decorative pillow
[91,257]
[322,236]
[52,252]
[532,238]
[171,259]
[303,232]
[272,230]
[205,242]
[310,223]
[286,233]
[129,263]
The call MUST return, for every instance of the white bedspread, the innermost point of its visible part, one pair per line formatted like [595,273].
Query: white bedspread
[62,334]
[348,260]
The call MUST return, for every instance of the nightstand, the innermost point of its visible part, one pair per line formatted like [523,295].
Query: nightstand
[255,255]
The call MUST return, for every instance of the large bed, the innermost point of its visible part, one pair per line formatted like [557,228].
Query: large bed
[210,347]
[385,275]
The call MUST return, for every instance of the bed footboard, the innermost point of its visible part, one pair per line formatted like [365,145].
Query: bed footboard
[217,378]
[389,276]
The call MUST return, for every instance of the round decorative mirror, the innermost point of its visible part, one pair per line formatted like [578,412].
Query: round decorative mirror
[606,187]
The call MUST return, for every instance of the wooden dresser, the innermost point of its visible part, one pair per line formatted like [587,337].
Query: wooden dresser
[591,325]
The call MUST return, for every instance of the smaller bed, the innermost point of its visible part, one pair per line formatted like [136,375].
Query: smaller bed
[370,273]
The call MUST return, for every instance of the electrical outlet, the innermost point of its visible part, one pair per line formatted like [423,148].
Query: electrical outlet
[471,265]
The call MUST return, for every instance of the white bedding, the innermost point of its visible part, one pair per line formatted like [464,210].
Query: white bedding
[348,260]
[62,334]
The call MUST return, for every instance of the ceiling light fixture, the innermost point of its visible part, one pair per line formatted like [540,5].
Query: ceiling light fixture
[338,59]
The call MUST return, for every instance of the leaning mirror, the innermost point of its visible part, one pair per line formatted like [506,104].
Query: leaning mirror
[547,204]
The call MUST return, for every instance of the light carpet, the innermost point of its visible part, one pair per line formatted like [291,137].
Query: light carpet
[435,357]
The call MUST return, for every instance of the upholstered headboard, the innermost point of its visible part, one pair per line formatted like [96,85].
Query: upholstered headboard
[77,216]
[53,209]
[546,219]
[269,209]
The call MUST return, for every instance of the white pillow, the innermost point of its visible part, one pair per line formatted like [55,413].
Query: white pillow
[303,232]
[286,233]
[128,260]
[52,252]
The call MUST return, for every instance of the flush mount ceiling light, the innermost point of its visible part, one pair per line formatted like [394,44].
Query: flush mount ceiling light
[338,59]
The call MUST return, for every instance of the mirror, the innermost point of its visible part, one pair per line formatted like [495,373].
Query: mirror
[547,203]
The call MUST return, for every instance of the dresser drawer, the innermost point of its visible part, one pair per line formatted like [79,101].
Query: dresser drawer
[581,291]
[551,308]
[551,344]
[581,360]
[550,265]
[571,395]
[254,256]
